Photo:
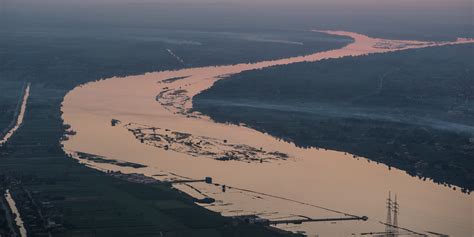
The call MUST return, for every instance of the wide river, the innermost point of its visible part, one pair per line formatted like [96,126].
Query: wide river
[157,130]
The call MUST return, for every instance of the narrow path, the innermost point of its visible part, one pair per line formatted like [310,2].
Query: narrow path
[18,117]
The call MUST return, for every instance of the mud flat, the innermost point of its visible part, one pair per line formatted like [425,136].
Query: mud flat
[312,178]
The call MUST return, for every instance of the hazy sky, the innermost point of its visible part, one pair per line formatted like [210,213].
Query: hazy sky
[382,15]
[340,3]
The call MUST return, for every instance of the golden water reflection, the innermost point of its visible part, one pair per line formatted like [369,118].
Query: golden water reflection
[327,178]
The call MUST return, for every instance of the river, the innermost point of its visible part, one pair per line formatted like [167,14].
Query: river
[156,130]
[14,210]
[19,115]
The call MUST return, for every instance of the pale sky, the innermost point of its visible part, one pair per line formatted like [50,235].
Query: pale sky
[366,3]
[428,15]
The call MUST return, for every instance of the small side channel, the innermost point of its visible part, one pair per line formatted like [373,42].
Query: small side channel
[16,213]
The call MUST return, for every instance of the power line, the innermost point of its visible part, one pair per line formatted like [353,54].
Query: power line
[292,200]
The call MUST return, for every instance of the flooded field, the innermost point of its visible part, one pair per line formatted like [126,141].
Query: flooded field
[145,120]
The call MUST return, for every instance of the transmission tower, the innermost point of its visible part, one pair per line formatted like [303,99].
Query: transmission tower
[388,227]
[395,216]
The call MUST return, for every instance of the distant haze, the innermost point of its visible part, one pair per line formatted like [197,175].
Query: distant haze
[342,3]
[408,17]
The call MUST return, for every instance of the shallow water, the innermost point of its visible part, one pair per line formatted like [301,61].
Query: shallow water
[158,109]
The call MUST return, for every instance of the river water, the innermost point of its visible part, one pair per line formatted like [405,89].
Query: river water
[157,130]
[14,209]
[19,118]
